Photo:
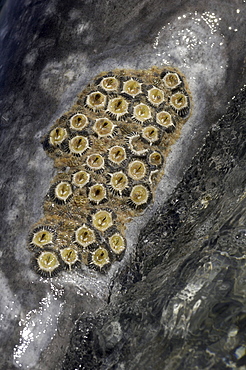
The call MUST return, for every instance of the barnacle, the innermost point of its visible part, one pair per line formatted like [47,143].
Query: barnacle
[110,149]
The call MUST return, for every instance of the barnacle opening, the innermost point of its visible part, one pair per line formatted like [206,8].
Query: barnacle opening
[47,263]
[164,119]
[118,107]
[100,257]
[117,154]
[142,112]
[78,144]
[63,191]
[42,236]
[171,80]
[156,96]
[117,243]
[78,121]
[132,87]
[139,195]
[151,134]
[57,136]
[103,127]
[137,170]
[155,159]
[84,236]
[136,144]
[119,181]
[95,161]
[80,178]
[102,220]
[109,83]
[96,100]
[69,256]
[97,193]
[179,101]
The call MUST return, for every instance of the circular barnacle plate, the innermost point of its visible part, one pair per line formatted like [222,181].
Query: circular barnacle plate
[104,127]
[102,220]
[117,107]
[96,100]
[117,154]
[142,112]
[137,170]
[47,263]
[109,83]
[171,80]
[61,192]
[180,102]
[164,119]
[78,145]
[70,257]
[80,178]
[78,121]
[97,193]
[42,236]
[57,136]
[155,96]
[136,145]
[139,196]
[155,159]
[117,244]
[151,134]
[95,162]
[132,87]
[99,259]
[84,236]
[118,182]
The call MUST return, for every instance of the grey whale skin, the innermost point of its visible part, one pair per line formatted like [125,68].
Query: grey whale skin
[177,299]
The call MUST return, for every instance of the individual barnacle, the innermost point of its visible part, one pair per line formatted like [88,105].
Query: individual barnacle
[142,112]
[118,182]
[139,195]
[151,134]
[69,256]
[47,263]
[95,162]
[132,87]
[80,178]
[97,193]
[78,121]
[155,96]
[179,102]
[96,100]
[117,154]
[117,243]
[42,236]
[102,220]
[164,119]
[78,145]
[99,258]
[84,236]
[118,107]
[155,159]
[104,127]
[171,80]
[137,170]
[109,83]
[136,144]
[61,192]
[57,136]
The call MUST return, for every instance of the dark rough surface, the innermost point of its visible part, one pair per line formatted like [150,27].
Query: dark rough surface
[49,50]
[188,295]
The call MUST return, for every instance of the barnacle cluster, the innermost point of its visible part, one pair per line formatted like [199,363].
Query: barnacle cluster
[110,151]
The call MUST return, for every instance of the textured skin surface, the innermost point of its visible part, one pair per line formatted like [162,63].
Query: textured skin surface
[49,53]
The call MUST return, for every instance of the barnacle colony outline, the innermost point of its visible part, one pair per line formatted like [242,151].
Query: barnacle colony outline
[110,150]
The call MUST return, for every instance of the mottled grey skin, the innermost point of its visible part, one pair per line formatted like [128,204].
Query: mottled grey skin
[49,51]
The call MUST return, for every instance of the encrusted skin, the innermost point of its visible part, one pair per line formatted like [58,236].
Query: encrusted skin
[110,150]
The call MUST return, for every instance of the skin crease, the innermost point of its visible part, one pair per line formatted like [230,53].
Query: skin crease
[49,52]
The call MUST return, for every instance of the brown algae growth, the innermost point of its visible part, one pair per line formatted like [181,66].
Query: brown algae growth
[110,150]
